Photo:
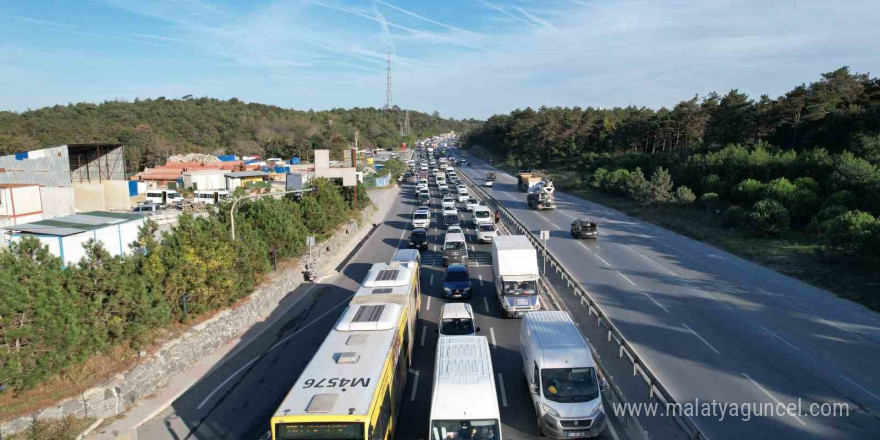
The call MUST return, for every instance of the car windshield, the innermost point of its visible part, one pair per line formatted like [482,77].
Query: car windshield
[520,288]
[465,430]
[481,214]
[487,228]
[457,276]
[457,327]
[451,218]
[569,384]
[419,234]
[454,246]
[420,215]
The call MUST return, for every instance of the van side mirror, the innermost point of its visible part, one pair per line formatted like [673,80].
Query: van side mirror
[603,385]
[533,388]
[477,330]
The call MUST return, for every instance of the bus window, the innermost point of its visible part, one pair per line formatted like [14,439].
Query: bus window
[379,430]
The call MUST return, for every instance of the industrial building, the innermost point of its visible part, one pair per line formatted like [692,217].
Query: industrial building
[20,203]
[65,236]
[243,178]
[205,179]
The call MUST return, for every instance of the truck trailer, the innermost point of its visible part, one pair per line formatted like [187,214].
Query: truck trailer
[515,272]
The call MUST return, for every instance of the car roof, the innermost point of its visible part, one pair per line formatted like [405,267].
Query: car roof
[419,230]
[456,310]
[456,268]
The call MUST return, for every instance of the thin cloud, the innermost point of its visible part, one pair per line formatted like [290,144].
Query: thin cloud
[420,17]
[384,25]
[535,19]
[503,11]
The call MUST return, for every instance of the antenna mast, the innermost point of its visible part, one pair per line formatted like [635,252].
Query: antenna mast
[388,83]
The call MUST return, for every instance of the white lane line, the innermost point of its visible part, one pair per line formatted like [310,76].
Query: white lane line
[603,260]
[480,277]
[501,387]
[424,333]
[223,384]
[700,338]
[431,283]
[486,303]
[428,305]
[655,302]
[860,387]
[778,402]
[492,333]
[779,337]
[412,397]
[625,277]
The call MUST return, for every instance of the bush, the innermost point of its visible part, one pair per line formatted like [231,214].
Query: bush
[660,187]
[712,183]
[734,217]
[807,183]
[637,186]
[803,205]
[841,198]
[748,191]
[684,195]
[709,199]
[821,221]
[781,190]
[597,180]
[852,173]
[852,232]
[617,181]
[769,217]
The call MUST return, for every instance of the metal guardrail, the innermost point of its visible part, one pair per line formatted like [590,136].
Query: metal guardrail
[655,388]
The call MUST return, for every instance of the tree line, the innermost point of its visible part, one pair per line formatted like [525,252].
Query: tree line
[153,129]
[54,317]
[807,160]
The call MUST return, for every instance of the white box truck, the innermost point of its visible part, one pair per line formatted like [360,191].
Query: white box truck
[515,272]
[464,403]
[562,376]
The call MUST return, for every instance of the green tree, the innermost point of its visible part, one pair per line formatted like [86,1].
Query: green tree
[597,180]
[852,173]
[748,191]
[395,168]
[660,187]
[684,195]
[852,233]
[769,217]
[637,186]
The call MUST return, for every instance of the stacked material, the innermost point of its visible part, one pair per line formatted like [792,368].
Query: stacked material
[194,157]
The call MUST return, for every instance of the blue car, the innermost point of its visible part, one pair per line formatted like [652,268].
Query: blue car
[457,282]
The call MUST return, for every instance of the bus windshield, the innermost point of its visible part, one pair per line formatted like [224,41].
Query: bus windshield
[464,429]
[319,431]
[570,384]
[520,288]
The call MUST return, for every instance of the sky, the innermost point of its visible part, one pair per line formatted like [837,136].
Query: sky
[462,58]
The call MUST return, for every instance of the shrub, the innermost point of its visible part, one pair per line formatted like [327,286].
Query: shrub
[781,190]
[735,216]
[803,205]
[852,232]
[709,200]
[807,183]
[853,173]
[713,183]
[841,198]
[769,217]
[748,191]
[617,181]
[597,180]
[684,195]
[637,186]
[821,221]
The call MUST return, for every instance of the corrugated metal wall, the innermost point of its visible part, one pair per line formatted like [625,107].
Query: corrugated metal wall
[47,167]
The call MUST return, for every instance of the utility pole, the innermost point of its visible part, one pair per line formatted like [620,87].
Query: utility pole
[388,82]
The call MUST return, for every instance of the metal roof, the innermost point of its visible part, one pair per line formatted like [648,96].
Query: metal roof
[243,174]
[75,224]
[559,342]
[464,386]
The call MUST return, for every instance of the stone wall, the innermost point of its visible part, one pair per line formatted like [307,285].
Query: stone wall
[177,355]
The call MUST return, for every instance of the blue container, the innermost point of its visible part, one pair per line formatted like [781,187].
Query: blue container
[132,188]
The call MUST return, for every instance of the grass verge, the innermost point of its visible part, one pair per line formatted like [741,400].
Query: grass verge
[67,428]
[794,253]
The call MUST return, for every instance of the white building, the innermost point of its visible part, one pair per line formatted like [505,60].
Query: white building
[20,203]
[205,179]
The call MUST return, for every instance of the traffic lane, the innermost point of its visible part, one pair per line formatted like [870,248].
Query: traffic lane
[204,407]
[673,293]
[822,394]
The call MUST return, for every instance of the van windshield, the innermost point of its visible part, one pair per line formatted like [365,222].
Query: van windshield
[465,430]
[457,327]
[486,228]
[520,288]
[569,384]
[481,214]
[420,215]
[453,246]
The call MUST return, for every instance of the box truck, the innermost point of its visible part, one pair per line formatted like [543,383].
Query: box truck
[515,272]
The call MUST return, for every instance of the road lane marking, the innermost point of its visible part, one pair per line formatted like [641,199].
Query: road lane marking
[860,387]
[343,303]
[424,333]
[701,338]
[625,277]
[501,387]
[655,301]
[428,305]
[486,303]
[431,283]
[412,397]
[223,384]
[492,333]
[480,277]
[602,259]
[779,337]
[778,402]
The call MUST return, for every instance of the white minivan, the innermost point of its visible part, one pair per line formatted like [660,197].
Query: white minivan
[482,216]
[464,402]
[561,375]
[457,319]
[163,196]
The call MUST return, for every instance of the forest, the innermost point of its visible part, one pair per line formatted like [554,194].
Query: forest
[805,161]
[153,129]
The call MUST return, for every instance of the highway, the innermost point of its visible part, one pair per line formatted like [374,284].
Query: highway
[713,326]
[236,400]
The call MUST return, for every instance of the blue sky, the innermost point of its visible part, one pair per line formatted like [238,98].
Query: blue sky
[463,58]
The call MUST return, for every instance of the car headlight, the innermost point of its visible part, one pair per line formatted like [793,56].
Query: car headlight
[551,411]
[446,289]
[467,289]
[596,410]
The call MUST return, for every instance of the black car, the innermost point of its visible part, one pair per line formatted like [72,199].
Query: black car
[418,238]
[585,228]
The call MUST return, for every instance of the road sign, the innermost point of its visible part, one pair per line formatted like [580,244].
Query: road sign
[545,235]
[310,241]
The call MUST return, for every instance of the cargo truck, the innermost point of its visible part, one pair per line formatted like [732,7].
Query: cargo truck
[541,196]
[515,272]
[527,179]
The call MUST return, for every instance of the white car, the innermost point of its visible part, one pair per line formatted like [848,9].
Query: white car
[448,203]
[462,188]
[457,319]
[488,182]
[421,219]
[443,188]
[463,196]
[453,229]
[449,211]
[421,187]
[472,203]
[486,233]
[424,167]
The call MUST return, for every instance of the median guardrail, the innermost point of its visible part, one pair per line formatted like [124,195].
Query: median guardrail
[656,390]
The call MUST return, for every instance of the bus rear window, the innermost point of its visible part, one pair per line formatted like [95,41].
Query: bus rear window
[319,431]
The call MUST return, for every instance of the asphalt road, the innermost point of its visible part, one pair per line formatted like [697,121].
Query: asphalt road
[713,326]
[236,400]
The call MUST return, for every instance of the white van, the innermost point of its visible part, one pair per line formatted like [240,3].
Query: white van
[482,216]
[163,196]
[454,249]
[464,403]
[562,376]
[457,319]
[210,197]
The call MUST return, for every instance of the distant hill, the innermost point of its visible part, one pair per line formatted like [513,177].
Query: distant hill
[153,129]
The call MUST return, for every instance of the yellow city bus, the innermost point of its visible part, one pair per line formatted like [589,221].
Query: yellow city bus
[352,387]
[396,282]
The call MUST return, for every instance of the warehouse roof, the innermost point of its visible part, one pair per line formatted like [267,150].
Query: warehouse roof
[75,224]
[243,174]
